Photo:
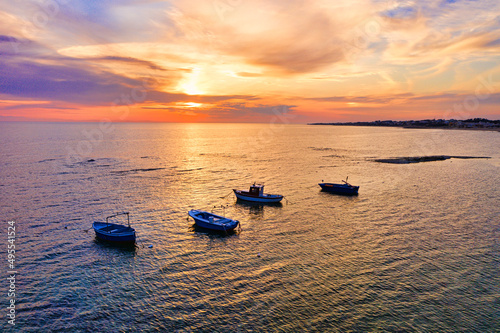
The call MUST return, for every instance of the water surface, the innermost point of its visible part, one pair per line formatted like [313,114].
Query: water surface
[417,250]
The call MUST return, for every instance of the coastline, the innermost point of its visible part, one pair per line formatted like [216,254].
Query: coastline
[494,129]
[477,124]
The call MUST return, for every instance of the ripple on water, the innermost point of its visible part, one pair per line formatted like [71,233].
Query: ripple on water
[417,250]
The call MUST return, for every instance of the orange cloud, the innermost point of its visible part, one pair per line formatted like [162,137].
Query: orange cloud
[240,60]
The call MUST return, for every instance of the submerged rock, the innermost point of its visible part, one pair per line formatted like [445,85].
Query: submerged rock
[418,159]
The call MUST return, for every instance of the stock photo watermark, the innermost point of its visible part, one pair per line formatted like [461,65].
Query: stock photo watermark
[471,103]
[11,272]
[361,37]
[225,7]
[44,12]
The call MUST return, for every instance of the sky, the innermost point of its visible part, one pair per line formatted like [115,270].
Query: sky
[290,61]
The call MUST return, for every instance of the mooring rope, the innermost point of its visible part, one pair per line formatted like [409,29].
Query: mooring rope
[226,195]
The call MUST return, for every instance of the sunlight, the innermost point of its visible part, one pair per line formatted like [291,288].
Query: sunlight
[191,89]
[190,104]
[189,86]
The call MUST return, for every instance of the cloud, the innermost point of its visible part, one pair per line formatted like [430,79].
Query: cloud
[73,80]
[244,112]
[9,39]
[32,71]
[61,23]
[287,37]
[429,31]
[51,106]
[129,60]
[247,74]
[402,12]
[241,59]
[363,99]
[243,108]
[237,108]
[409,106]
[448,97]
[69,84]
[60,79]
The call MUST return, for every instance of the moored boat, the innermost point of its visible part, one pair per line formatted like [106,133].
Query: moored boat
[256,194]
[345,189]
[115,233]
[212,221]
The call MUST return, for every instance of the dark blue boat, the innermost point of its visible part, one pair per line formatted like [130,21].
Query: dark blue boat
[212,221]
[115,233]
[345,189]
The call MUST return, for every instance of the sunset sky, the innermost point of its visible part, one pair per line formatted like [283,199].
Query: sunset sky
[248,61]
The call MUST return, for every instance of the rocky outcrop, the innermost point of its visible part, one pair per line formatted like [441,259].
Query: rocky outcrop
[418,159]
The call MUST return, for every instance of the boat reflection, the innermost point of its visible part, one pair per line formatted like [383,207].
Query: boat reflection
[194,228]
[116,247]
[256,208]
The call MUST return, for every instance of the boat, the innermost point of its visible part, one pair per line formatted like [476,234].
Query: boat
[256,194]
[346,188]
[212,221]
[115,233]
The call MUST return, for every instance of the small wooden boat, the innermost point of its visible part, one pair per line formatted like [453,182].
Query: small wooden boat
[115,233]
[256,194]
[212,221]
[345,189]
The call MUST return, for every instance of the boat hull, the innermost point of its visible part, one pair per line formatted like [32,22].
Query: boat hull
[343,189]
[212,221]
[114,233]
[266,198]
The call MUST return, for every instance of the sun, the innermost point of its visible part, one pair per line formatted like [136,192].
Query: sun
[189,85]
[191,89]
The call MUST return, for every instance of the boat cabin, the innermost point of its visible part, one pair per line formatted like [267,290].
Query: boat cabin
[256,194]
[256,190]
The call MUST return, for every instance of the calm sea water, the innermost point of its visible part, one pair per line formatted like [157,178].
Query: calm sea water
[417,251]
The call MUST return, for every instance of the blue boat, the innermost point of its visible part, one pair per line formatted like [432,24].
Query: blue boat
[115,233]
[212,221]
[256,194]
[345,189]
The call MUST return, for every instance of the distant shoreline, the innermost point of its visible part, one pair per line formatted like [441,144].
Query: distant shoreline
[494,129]
[476,124]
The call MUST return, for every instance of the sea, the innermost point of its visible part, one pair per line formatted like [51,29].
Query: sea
[418,250]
